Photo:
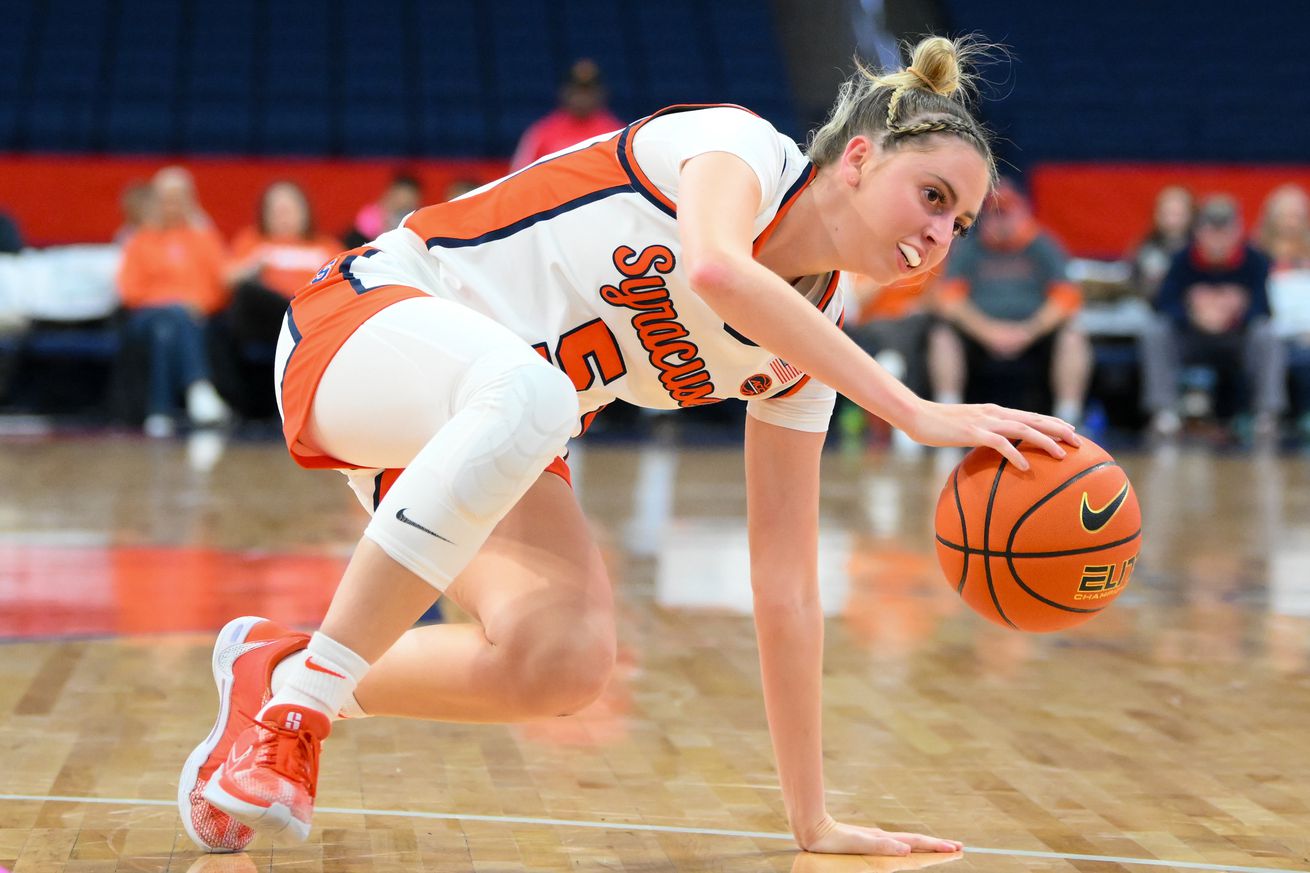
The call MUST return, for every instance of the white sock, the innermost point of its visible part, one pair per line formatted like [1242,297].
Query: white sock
[352,709]
[282,672]
[949,397]
[322,677]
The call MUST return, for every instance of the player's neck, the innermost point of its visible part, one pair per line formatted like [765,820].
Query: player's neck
[802,244]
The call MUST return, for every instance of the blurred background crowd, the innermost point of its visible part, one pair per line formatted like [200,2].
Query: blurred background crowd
[171,173]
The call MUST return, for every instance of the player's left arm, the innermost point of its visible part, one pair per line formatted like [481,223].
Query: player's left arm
[782,510]
[782,506]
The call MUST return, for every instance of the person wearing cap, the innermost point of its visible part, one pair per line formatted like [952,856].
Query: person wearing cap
[1213,311]
[581,114]
[1007,309]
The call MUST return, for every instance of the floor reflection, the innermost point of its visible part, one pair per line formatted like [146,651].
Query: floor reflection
[51,591]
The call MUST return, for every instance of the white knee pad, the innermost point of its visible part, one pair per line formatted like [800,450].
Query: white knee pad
[507,428]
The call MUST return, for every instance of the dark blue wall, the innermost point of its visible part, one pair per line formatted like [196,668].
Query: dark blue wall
[359,77]
[1148,80]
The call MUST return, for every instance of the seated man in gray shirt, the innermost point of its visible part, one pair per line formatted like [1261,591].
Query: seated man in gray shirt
[1007,333]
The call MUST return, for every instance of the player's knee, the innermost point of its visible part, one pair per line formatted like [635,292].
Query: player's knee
[550,404]
[564,671]
[586,662]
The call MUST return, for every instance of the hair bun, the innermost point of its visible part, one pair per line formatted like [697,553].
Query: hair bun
[936,65]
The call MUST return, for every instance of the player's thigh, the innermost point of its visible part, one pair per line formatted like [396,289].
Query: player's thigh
[540,572]
[403,374]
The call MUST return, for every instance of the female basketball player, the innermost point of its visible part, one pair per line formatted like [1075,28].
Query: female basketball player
[689,257]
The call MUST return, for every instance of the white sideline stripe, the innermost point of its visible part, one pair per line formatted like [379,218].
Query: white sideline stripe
[665,829]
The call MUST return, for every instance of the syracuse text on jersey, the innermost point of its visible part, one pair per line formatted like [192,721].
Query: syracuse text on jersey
[681,368]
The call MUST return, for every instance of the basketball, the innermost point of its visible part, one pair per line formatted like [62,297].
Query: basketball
[1040,550]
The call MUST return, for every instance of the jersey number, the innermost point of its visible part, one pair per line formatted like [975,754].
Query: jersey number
[587,351]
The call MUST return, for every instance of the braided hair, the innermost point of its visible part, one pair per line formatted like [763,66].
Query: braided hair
[896,108]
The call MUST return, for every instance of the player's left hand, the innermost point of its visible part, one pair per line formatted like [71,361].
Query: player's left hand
[834,838]
[986,424]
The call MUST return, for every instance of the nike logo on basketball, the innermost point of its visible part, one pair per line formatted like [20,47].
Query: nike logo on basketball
[1095,519]
[309,662]
[400,517]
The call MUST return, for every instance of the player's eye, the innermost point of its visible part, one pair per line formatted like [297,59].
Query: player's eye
[962,229]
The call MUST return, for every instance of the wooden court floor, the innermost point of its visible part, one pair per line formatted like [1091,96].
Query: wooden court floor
[1173,732]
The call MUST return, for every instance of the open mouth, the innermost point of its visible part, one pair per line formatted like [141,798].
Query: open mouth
[910,255]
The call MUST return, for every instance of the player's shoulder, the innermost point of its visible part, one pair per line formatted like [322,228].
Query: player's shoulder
[711,115]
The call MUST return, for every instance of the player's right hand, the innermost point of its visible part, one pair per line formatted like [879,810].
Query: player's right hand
[986,424]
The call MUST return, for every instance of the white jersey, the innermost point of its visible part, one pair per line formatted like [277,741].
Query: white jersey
[579,255]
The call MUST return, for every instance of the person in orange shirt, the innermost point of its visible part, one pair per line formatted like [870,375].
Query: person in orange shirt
[890,322]
[271,260]
[170,282]
[894,318]
[1007,307]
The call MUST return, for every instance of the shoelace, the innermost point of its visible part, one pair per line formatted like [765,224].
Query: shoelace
[289,753]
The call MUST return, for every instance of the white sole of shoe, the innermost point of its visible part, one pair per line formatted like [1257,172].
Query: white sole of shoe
[275,820]
[233,633]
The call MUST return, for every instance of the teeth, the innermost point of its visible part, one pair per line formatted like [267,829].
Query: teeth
[911,256]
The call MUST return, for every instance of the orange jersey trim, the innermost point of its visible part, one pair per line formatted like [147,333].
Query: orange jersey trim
[535,194]
[322,316]
[544,190]
[788,201]
[640,182]
[829,291]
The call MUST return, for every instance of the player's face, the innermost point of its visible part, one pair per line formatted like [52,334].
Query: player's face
[910,204]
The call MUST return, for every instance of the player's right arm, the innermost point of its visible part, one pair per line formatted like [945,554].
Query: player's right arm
[718,197]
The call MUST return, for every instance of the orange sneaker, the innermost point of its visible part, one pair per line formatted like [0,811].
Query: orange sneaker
[270,777]
[245,654]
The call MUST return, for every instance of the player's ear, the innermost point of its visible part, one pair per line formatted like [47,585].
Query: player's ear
[860,152]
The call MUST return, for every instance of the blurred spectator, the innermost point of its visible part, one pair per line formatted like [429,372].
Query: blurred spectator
[581,114]
[170,280]
[460,187]
[891,324]
[402,197]
[180,179]
[1007,308]
[1284,236]
[133,201]
[1171,231]
[11,241]
[1284,230]
[1213,312]
[271,260]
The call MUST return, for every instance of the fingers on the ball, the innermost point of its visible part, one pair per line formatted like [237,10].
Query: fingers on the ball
[1052,448]
[1028,433]
[1059,428]
[1007,449]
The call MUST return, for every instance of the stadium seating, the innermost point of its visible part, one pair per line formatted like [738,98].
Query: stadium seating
[1145,81]
[335,78]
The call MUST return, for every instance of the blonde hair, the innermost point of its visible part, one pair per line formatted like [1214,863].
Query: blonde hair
[1270,236]
[917,101]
